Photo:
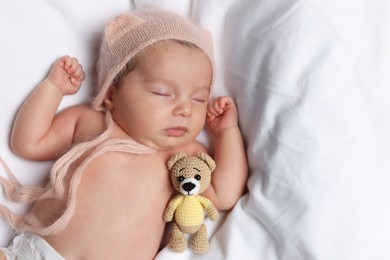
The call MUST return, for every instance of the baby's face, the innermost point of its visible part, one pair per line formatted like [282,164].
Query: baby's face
[162,103]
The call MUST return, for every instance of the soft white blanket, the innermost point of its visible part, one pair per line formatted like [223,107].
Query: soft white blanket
[312,84]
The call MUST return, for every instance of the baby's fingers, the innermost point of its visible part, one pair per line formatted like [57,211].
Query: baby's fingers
[219,105]
[70,64]
[225,102]
[67,62]
[213,108]
[75,81]
[75,70]
[78,73]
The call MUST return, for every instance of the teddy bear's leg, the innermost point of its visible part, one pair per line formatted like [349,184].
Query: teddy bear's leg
[177,242]
[199,242]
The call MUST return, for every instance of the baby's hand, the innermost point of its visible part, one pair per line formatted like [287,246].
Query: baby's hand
[222,113]
[67,74]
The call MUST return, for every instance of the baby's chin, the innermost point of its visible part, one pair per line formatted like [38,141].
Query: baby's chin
[173,143]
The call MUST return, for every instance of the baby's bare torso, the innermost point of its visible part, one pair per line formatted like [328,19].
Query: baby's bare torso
[120,204]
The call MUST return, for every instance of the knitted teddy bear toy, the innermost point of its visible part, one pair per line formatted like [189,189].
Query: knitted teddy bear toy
[190,175]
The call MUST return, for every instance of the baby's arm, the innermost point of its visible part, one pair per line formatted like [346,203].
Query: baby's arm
[37,133]
[230,176]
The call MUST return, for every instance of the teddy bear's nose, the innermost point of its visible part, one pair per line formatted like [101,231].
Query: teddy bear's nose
[189,186]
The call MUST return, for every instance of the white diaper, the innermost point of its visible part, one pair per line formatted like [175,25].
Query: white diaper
[28,246]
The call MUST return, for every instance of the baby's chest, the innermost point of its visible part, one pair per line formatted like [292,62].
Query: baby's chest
[126,165]
[127,176]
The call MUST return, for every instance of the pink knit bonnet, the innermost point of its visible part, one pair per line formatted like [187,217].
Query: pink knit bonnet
[131,32]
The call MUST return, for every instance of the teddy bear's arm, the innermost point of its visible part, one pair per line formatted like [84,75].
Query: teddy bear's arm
[211,210]
[171,208]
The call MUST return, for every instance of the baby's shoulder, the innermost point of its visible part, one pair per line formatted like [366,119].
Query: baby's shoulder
[195,147]
[89,123]
[85,111]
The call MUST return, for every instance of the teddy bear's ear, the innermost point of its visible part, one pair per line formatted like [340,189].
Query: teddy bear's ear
[175,158]
[207,159]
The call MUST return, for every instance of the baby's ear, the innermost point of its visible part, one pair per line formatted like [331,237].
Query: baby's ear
[207,159]
[175,158]
[108,99]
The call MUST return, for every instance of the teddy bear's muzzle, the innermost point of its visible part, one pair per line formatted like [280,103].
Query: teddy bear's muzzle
[189,186]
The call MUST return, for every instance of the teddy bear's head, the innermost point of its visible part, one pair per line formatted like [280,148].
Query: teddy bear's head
[191,175]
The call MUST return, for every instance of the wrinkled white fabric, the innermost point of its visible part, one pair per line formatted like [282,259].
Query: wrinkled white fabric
[28,246]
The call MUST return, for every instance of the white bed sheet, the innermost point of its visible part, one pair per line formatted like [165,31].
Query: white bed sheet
[311,79]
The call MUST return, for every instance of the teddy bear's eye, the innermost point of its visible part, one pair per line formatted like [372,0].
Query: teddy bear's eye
[180,178]
[198,177]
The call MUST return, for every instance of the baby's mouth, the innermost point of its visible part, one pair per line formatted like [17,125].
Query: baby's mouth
[177,131]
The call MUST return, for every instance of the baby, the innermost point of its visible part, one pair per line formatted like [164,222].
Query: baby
[108,190]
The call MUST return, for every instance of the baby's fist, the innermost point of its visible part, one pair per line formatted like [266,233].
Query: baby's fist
[67,74]
[222,113]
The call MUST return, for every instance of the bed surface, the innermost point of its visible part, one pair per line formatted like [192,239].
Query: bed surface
[312,84]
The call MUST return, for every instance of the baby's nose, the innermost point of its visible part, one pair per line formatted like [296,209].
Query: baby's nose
[183,109]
